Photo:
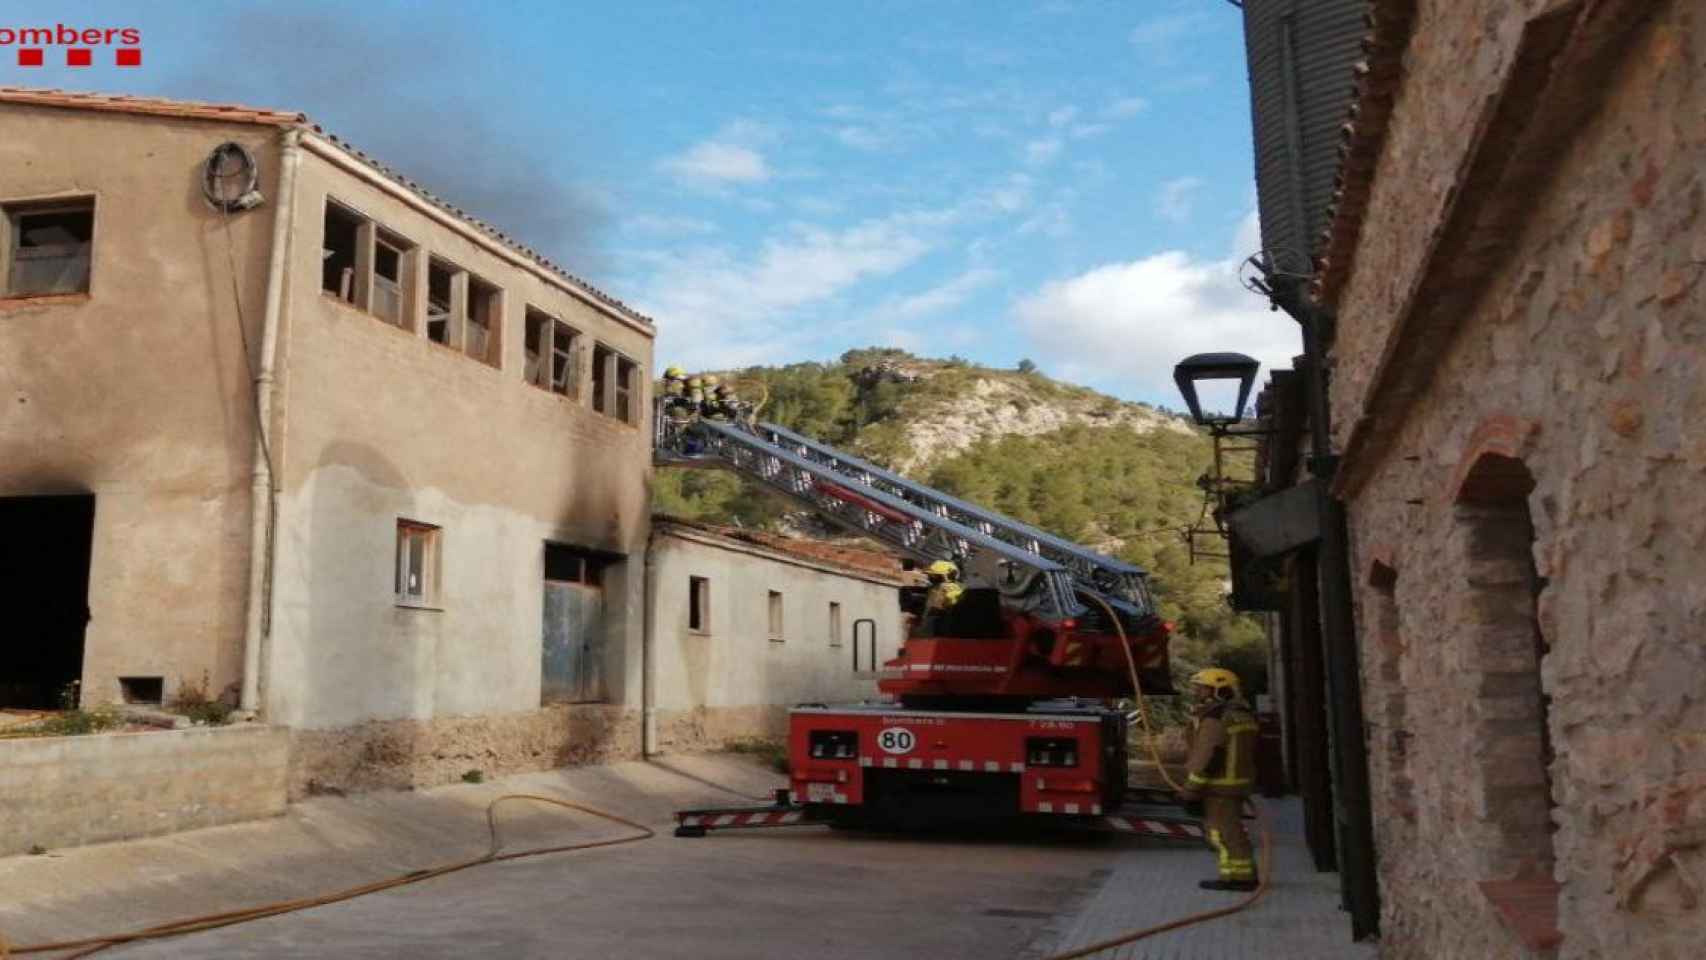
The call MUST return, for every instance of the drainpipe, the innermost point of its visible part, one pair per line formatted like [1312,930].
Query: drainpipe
[648,662]
[262,499]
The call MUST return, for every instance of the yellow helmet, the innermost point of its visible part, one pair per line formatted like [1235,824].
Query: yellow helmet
[943,568]
[675,373]
[1223,682]
[710,379]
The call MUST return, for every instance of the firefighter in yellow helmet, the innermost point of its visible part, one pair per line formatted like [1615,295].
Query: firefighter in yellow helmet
[708,399]
[1221,772]
[675,392]
[945,588]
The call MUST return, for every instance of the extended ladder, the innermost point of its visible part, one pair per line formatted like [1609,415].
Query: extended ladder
[1032,566]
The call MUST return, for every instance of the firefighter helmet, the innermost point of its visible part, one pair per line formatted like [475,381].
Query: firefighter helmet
[1221,682]
[675,373]
[944,569]
[724,390]
[710,379]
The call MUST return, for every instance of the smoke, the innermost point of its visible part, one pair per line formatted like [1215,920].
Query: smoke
[415,98]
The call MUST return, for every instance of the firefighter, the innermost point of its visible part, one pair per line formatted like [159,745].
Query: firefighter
[945,587]
[726,403]
[708,397]
[695,395]
[1221,772]
[675,392]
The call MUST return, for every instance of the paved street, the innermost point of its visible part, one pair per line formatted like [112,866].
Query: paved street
[810,892]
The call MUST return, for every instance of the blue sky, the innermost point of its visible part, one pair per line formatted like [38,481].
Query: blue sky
[1065,181]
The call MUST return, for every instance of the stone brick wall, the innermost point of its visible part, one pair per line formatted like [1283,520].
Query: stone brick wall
[67,791]
[1567,408]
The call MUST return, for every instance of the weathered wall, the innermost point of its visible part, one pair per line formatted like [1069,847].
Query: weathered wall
[385,424]
[405,754]
[733,680]
[138,392]
[66,791]
[1585,362]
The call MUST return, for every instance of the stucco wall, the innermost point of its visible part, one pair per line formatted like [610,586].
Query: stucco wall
[138,392]
[386,425]
[733,680]
[1585,362]
[66,791]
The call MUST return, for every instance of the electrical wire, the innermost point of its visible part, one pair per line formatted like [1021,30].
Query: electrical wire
[88,946]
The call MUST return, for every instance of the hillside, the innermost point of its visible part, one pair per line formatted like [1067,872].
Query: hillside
[1118,477]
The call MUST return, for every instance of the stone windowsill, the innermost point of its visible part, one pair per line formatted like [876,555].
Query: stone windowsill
[1528,906]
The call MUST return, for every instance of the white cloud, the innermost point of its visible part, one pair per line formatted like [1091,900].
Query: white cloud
[1125,107]
[1157,38]
[943,296]
[668,226]
[1039,152]
[1127,324]
[1084,131]
[1062,116]
[861,138]
[1176,197]
[1051,221]
[718,309]
[732,156]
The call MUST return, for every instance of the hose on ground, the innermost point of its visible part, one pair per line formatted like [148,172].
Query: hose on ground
[1263,866]
[91,945]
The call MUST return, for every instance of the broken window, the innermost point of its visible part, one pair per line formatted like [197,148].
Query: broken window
[417,564]
[388,298]
[48,248]
[338,253]
[775,616]
[549,354]
[484,306]
[566,564]
[625,380]
[439,313]
[699,604]
[601,357]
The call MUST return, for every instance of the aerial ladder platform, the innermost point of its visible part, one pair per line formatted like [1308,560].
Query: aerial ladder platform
[998,708]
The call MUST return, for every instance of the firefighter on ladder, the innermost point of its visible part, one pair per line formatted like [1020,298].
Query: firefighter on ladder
[1221,772]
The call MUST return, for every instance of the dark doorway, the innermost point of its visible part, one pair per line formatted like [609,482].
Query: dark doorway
[44,594]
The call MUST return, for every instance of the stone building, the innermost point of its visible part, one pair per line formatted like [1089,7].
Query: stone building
[1506,266]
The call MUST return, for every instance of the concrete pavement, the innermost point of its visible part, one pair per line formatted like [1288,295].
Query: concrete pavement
[809,892]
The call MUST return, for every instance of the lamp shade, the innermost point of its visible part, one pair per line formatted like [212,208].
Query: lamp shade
[1215,366]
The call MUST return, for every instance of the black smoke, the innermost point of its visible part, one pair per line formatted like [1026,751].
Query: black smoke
[416,96]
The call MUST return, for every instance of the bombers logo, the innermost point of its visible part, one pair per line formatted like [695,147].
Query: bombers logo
[79,44]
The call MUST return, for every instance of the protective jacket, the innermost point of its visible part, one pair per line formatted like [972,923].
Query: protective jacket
[1223,752]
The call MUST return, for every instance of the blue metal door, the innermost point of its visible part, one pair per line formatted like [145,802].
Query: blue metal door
[573,643]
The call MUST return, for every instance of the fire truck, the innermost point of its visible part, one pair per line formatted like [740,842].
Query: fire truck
[998,709]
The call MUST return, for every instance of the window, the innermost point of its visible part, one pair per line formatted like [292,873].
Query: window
[142,689]
[625,378]
[601,361]
[338,253]
[388,299]
[549,355]
[417,564]
[47,247]
[566,564]
[834,624]
[484,313]
[440,287]
[775,616]
[699,604]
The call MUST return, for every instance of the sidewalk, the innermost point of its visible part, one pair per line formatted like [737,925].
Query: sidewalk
[1151,884]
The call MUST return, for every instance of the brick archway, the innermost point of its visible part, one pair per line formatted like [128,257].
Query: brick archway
[1491,470]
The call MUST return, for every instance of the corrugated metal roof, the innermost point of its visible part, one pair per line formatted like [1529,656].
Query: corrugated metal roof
[1307,51]
[237,113]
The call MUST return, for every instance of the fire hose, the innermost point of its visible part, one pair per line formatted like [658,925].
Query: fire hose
[1262,827]
[87,946]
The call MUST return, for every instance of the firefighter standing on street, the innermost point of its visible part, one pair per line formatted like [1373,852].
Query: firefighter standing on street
[1221,773]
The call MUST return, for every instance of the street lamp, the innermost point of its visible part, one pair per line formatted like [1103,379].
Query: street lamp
[1212,367]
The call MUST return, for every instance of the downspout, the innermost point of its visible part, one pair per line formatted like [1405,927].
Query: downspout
[648,665]
[262,499]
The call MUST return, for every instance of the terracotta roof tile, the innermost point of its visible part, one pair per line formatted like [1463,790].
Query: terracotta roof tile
[237,113]
[856,559]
